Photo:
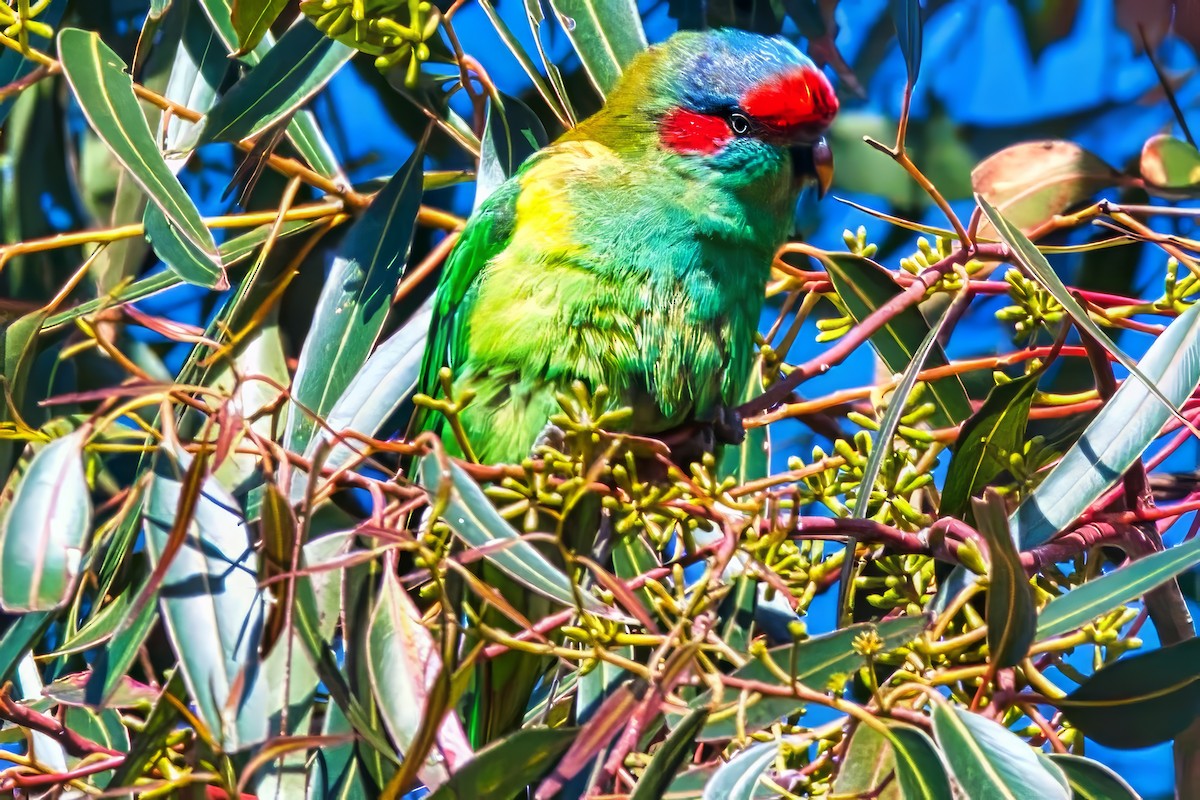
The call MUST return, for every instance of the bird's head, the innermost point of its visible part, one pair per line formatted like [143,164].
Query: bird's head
[734,101]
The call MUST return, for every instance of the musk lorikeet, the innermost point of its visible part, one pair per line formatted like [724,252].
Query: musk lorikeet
[633,254]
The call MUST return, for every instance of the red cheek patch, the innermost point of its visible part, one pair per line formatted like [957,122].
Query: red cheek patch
[801,101]
[690,132]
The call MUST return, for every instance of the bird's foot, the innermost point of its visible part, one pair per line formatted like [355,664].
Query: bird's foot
[727,426]
[551,436]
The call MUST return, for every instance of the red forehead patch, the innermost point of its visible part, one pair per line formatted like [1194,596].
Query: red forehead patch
[800,101]
[691,132]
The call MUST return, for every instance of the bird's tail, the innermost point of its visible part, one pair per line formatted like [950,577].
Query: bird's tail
[504,685]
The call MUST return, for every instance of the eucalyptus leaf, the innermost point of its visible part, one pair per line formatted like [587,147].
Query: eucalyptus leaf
[211,604]
[906,16]
[45,528]
[354,301]
[1106,592]
[1011,611]
[1116,438]
[286,78]
[1139,700]
[985,441]
[105,93]
[475,520]
[737,778]
[920,770]
[606,34]
[988,761]
[405,667]
[1091,780]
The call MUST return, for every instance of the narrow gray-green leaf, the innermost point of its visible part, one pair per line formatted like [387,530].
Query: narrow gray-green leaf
[404,665]
[864,286]
[105,94]
[1011,612]
[511,134]
[291,72]
[1105,593]
[45,528]
[355,300]
[868,767]
[473,517]
[606,34]
[1091,780]
[737,779]
[920,771]
[988,761]
[1116,438]
[211,604]
[252,19]
[669,757]
[1035,264]
[378,390]
[303,130]
[506,767]
[906,14]
[196,76]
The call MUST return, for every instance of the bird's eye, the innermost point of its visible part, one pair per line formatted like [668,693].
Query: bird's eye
[739,123]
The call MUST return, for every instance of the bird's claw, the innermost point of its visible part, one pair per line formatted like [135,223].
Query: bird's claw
[727,427]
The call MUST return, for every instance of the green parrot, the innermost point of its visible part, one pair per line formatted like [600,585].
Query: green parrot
[632,253]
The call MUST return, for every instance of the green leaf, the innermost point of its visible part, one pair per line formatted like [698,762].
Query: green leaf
[988,761]
[288,76]
[199,69]
[302,131]
[404,666]
[920,771]
[45,528]
[105,94]
[511,134]
[1011,612]
[506,767]
[1031,182]
[906,15]
[986,439]
[891,418]
[751,460]
[737,778]
[150,740]
[606,34]
[211,606]
[233,251]
[19,639]
[670,755]
[252,19]
[354,301]
[1140,700]
[864,286]
[377,391]
[472,516]
[514,46]
[1170,163]
[1091,780]
[867,767]
[113,662]
[815,663]
[1116,438]
[1106,592]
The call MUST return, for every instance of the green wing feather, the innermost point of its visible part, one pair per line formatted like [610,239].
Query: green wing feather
[485,236]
